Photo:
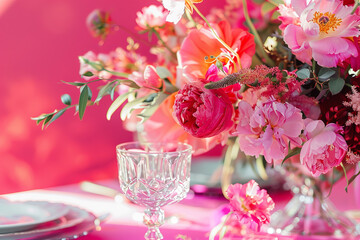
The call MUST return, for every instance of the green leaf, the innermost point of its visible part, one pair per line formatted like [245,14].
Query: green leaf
[326,73]
[105,90]
[129,83]
[163,72]
[84,97]
[116,104]
[276,2]
[78,84]
[95,65]
[56,116]
[293,152]
[66,99]
[151,109]
[267,7]
[303,73]
[136,103]
[88,74]
[336,85]
[47,119]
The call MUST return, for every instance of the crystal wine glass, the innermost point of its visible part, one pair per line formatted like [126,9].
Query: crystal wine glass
[154,175]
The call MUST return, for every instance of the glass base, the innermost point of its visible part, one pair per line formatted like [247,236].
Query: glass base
[153,219]
[307,215]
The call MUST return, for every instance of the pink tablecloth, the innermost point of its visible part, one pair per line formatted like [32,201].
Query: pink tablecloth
[196,214]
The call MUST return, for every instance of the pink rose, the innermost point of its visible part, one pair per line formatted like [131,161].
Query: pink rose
[325,147]
[250,204]
[268,129]
[202,112]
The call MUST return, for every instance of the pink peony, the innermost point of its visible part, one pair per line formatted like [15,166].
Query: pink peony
[320,29]
[251,205]
[325,147]
[268,129]
[201,44]
[161,126]
[202,112]
[151,17]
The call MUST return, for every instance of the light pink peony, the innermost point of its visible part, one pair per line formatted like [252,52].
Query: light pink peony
[202,112]
[103,60]
[325,147]
[320,29]
[268,129]
[151,17]
[251,204]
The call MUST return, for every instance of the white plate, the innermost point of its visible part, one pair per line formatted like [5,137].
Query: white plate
[76,222]
[20,216]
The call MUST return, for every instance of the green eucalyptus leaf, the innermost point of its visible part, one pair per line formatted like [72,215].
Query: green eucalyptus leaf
[66,99]
[336,84]
[130,106]
[47,119]
[88,74]
[105,90]
[56,116]
[129,83]
[84,97]
[151,109]
[116,104]
[78,84]
[326,73]
[303,73]
[163,72]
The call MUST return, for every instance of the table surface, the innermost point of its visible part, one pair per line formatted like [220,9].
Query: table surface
[196,214]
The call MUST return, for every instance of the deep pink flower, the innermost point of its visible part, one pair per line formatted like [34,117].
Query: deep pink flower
[325,147]
[151,17]
[202,112]
[161,126]
[320,29]
[268,129]
[251,204]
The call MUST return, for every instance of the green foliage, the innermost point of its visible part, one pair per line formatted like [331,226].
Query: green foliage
[325,73]
[66,99]
[336,84]
[84,97]
[303,73]
[116,104]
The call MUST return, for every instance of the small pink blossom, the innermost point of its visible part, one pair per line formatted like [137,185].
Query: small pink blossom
[268,129]
[320,29]
[325,147]
[201,112]
[151,17]
[150,79]
[102,60]
[251,204]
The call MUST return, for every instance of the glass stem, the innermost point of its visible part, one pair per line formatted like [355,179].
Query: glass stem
[153,219]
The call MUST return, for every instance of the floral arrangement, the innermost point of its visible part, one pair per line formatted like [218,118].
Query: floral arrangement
[279,77]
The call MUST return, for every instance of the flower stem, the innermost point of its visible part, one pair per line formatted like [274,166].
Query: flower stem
[164,44]
[258,40]
[219,39]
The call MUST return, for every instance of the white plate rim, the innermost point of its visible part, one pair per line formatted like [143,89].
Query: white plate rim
[81,216]
[54,210]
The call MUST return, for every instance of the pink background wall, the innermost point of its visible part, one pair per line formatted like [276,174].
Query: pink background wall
[39,44]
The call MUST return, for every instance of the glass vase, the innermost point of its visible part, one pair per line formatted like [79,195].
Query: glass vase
[310,212]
